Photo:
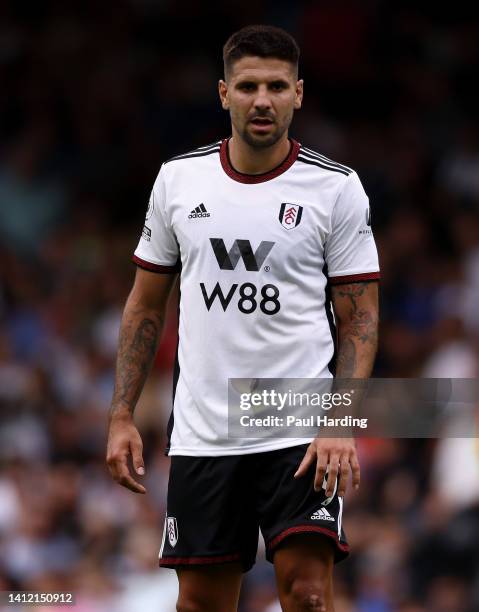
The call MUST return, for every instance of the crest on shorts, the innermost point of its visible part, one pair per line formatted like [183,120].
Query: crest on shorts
[172,529]
[290,215]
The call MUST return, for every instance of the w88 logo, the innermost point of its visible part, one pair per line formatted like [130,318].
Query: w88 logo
[249,300]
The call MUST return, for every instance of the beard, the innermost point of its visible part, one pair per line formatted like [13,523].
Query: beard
[262,141]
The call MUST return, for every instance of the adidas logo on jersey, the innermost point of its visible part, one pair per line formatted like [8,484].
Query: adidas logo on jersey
[322,515]
[198,212]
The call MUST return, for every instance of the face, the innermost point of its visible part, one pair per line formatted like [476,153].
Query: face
[261,95]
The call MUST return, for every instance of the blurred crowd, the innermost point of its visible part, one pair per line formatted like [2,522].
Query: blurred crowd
[94,97]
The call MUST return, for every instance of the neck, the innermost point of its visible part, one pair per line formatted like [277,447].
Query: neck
[249,160]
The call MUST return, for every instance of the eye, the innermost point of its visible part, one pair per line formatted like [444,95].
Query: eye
[278,86]
[246,86]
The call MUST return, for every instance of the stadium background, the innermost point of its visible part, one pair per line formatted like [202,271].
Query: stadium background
[94,96]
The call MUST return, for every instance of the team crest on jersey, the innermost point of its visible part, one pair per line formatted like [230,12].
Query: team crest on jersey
[290,215]
[172,529]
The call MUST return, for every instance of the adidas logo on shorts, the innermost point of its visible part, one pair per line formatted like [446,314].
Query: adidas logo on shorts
[322,515]
[198,212]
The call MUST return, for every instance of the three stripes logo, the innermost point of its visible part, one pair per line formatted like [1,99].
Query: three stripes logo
[322,515]
[198,212]
[253,261]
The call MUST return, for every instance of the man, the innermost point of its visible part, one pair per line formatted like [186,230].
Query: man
[263,231]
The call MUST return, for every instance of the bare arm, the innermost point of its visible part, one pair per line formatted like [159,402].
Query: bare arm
[356,312]
[140,331]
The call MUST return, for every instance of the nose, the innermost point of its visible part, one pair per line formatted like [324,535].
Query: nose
[262,101]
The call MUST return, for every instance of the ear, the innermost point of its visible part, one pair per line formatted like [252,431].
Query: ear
[223,92]
[298,100]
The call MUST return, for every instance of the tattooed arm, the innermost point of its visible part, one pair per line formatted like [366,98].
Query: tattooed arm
[140,330]
[356,312]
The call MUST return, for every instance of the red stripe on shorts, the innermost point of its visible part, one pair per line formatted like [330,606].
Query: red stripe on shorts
[198,560]
[308,529]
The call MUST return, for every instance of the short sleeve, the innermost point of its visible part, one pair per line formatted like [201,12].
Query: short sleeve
[157,249]
[350,250]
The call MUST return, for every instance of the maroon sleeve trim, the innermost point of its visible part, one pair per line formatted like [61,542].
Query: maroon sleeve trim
[354,278]
[151,267]
[166,561]
[307,529]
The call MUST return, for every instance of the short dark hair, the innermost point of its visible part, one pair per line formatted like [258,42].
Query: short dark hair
[260,41]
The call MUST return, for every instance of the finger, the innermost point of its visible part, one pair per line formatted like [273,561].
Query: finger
[128,482]
[355,470]
[119,470]
[332,474]
[321,466]
[306,462]
[137,457]
[343,474]
[117,465]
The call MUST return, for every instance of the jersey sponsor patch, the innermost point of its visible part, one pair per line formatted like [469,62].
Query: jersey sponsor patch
[241,249]
[146,233]
[290,215]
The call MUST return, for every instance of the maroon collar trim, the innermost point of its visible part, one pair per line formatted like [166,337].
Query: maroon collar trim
[257,178]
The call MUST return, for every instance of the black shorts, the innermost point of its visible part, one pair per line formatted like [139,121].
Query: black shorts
[217,504]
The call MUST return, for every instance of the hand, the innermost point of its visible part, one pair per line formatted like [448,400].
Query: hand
[123,440]
[337,454]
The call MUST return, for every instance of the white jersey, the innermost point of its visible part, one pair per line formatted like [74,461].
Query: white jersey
[256,253]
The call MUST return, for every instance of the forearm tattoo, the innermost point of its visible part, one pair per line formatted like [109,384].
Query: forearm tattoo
[136,352]
[346,360]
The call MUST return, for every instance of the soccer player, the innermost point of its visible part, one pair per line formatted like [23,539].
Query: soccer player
[273,245]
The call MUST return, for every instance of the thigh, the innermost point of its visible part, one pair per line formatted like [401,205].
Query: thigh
[304,573]
[209,588]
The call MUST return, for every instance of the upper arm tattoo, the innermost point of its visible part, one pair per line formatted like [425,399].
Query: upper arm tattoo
[355,305]
[361,309]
